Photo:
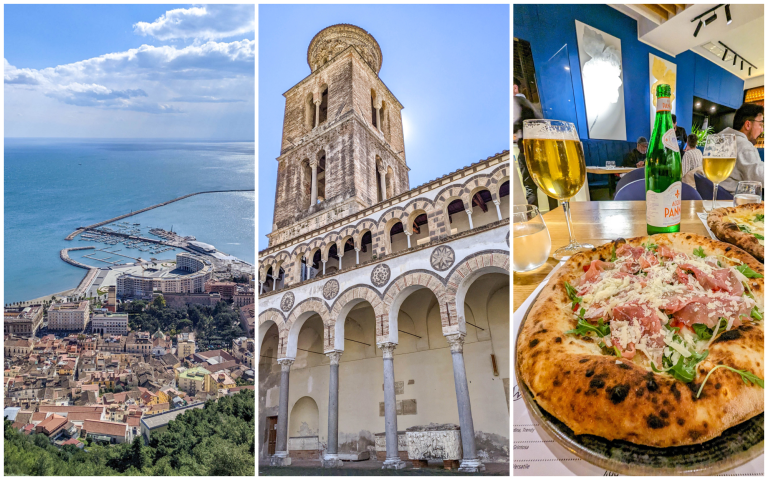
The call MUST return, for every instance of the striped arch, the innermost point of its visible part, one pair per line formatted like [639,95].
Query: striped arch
[398,290]
[476,184]
[391,217]
[281,260]
[295,267]
[462,276]
[296,319]
[443,199]
[498,177]
[414,208]
[344,304]
[365,226]
[315,244]
[266,319]
[328,241]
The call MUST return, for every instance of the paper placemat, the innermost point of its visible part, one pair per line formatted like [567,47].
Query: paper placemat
[534,452]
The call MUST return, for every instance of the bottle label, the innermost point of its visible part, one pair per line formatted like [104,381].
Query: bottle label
[669,139]
[663,104]
[663,209]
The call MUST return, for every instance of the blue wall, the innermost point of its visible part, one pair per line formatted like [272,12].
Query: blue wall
[549,27]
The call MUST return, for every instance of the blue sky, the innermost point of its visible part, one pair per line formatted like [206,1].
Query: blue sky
[448,65]
[130,71]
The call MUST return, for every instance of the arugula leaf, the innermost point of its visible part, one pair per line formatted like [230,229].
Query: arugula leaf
[705,333]
[650,246]
[755,313]
[745,229]
[674,329]
[618,353]
[572,294]
[584,327]
[748,377]
[758,236]
[613,253]
[760,217]
[685,368]
[699,252]
[748,272]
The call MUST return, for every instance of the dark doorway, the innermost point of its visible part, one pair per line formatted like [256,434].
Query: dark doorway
[271,435]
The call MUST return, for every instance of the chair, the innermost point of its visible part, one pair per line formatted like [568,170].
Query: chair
[635,174]
[636,191]
[705,187]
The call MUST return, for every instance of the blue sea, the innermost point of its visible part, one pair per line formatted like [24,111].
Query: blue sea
[54,186]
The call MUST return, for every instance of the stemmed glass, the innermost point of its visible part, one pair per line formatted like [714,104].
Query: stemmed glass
[719,160]
[555,161]
[748,192]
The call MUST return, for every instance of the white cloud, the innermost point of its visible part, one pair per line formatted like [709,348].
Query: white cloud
[210,22]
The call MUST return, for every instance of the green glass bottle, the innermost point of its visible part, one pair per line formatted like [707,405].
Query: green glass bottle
[663,170]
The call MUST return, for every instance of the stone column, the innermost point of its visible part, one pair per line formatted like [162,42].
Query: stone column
[274,283]
[383,181]
[357,256]
[498,209]
[313,199]
[281,458]
[323,267]
[317,112]
[262,288]
[390,408]
[331,457]
[408,237]
[340,256]
[470,462]
[378,118]
[469,216]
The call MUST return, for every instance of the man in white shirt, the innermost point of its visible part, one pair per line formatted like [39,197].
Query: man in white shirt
[747,126]
[691,160]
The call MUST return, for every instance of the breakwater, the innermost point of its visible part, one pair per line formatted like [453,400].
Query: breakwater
[89,277]
[64,254]
[80,230]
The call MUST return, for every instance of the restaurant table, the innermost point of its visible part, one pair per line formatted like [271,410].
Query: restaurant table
[598,223]
[611,177]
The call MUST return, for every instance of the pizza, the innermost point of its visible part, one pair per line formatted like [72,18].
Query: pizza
[742,226]
[653,340]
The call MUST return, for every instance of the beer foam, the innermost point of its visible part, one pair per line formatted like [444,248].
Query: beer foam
[543,130]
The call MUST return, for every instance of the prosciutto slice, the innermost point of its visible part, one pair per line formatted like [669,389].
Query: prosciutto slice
[641,314]
[627,249]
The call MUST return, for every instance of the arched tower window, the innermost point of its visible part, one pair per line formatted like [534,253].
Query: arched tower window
[309,112]
[306,184]
[321,176]
[390,182]
[324,106]
[373,109]
[379,165]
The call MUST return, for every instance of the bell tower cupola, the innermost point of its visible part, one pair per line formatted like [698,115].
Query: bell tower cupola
[342,148]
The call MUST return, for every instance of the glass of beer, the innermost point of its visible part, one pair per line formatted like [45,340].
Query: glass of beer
[748,192]
[719,160]
[555,161]
[530,237]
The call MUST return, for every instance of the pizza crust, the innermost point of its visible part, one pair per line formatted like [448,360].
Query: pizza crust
[726,230]
[595,394]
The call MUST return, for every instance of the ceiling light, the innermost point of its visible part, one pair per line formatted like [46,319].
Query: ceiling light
[698,27]
[725,54]
[742,65]
[728,14]
[698,104]
[750,71]
[713,108]
[734,59]
[710,19]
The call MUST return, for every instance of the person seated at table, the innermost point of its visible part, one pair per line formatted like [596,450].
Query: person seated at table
[747,126]
[680,134]
[636,158]
[691,161]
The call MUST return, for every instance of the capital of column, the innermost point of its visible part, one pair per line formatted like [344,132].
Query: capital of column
[335,356]
[497,202]
[381,169]
[408,233]
[317,102]
[285,363]
[313,163]
[357,249]
[388,349]
[469,212]
[456,342]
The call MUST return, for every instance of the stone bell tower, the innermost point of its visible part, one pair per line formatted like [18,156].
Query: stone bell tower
[342,148]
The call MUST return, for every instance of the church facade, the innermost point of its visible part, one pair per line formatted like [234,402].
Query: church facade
[382,307]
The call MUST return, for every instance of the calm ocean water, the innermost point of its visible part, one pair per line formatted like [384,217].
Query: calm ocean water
[54,186]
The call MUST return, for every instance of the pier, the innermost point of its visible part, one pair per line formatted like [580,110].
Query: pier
[80,230]
[115,253]
[85,283]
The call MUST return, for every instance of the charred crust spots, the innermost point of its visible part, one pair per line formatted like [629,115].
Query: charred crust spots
[584,360]
[655,422]
[718,386]
[639,392]
[578,390]
[619,393]
[694,434]
[594,249]
[665,402]
[556,383]
[688,237]
[654,399]
[533,343]
[536,353]
[587,339]
[727,336]
[680,421]
[663,413]
[694,388]
[675,391]
[728,249]
[567,372]
[554,287]
[558,340]
[597,382]
[650,382]
[589,373]
[625,366]
[543,330]
[704,424]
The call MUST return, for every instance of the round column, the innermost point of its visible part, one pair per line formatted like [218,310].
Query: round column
[281,458]
[390,408]
[331,457]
